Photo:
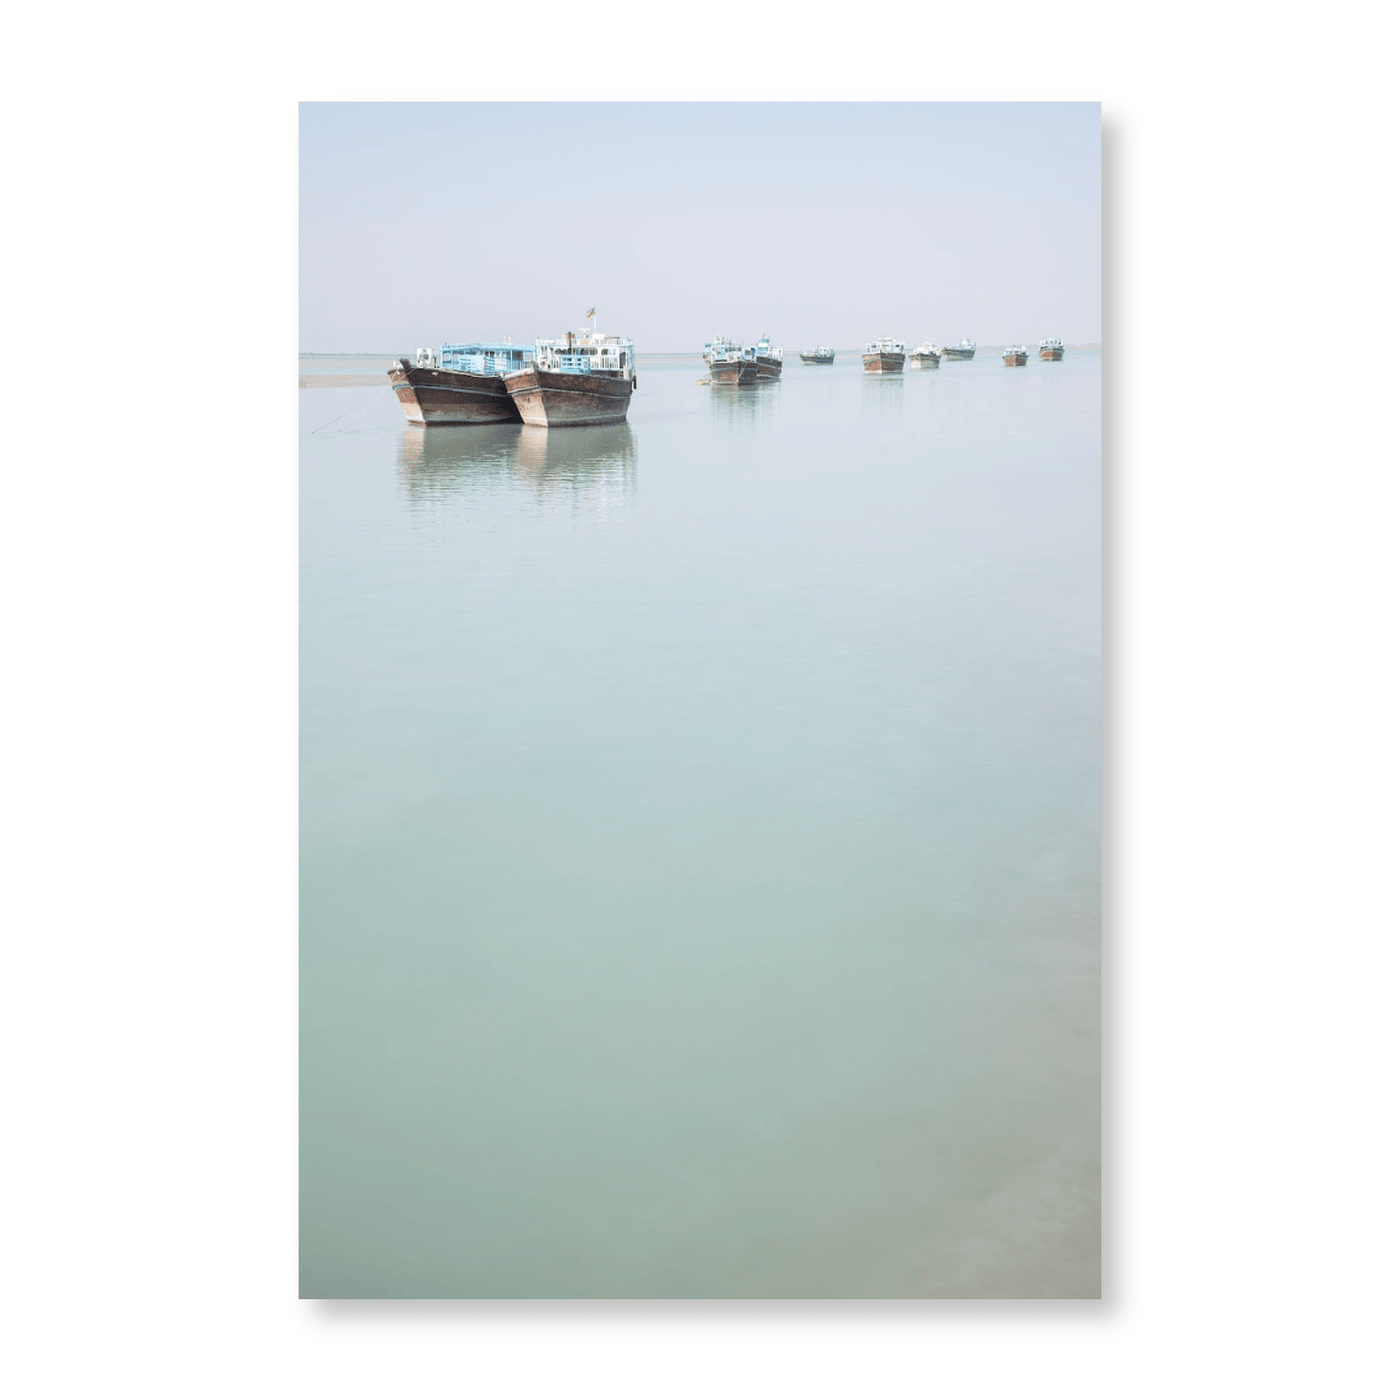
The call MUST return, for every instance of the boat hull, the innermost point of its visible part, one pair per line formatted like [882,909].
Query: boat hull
[924,361]
[884,364]
[818,359]
[552,399]
[1052,354]
[768,367]
[1013,359]
[451,397]
[951,352]
[735,372]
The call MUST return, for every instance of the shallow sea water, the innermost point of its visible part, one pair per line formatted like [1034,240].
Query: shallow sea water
[700,841]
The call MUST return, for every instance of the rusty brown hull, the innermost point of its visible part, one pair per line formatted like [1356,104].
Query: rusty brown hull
[768,367]
[448,396]
[551,399]
[735,372]
[1052,354]
[884,364]
[1013,359]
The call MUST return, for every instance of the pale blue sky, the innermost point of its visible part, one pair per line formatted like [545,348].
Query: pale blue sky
[831,222]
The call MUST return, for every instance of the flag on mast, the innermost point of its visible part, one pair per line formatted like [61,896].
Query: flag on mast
[591,310]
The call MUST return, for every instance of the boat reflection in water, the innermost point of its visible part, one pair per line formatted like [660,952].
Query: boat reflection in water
[593,468]
[883,394]
[747,408]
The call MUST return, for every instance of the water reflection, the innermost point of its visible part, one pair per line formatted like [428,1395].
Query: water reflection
[883,395]
[744,406]
[433,460]
[594,467]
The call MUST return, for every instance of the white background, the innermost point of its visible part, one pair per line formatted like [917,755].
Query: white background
[147,558]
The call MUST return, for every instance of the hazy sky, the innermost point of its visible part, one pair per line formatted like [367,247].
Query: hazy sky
[815,222]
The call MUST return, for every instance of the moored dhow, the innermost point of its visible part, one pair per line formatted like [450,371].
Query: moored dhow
[458,384]
[768,358]
[822,355]
[1052,349]
[583,377]
[926,356]
[730,363]
[884,356]
[964,350]
[1014,355]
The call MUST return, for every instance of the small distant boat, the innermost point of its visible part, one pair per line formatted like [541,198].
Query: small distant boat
[964,350]
[822,355]
[583,377]
[884,356]
[926,356]
[768,358]
[1052,349]
[1015,355]
[459,384]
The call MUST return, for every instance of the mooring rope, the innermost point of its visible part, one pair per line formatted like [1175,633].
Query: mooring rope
[359,408]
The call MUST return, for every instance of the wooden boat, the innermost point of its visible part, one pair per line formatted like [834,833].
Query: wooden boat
[576,380]
[1014,355]
[964,350]
[432,395]
[822,355]
[768,358]
[884,356]
[1052,350]
[730,363]
[926,356]
[735,371]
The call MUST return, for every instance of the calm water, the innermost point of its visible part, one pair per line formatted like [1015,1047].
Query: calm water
[700,841]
